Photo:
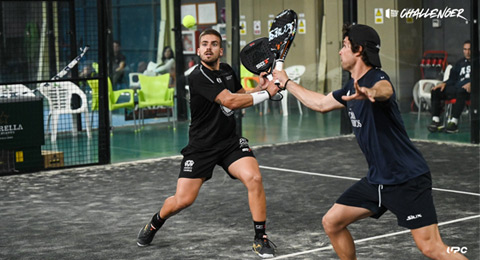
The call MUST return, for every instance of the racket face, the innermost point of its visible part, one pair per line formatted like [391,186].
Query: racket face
[257,57]
[282,33]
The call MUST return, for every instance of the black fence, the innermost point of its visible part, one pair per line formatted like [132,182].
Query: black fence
[53,88]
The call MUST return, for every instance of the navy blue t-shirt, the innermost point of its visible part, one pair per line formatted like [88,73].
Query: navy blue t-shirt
[392,158]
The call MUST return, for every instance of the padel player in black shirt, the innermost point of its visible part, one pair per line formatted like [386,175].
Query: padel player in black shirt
[215,93]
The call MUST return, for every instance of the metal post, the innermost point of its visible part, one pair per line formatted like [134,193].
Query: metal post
[235,54]
[349,17]
[475,78]
[104,30]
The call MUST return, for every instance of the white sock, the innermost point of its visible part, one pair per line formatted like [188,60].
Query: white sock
[436,119]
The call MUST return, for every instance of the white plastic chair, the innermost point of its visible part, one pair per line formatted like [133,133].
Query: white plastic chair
[134,82]
[59,96]
[422,91]
[294,73]
[15,91]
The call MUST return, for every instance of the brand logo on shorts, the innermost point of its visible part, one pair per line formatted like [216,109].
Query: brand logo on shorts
[243,142]
[188,166]
[244,145]
[412,217]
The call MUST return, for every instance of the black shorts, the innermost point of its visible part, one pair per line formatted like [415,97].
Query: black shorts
[200,164]
[411,202]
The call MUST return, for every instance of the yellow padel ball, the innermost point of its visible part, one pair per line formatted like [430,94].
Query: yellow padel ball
[188,21]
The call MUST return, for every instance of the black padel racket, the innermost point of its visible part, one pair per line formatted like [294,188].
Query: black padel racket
[281,35]
[257,57]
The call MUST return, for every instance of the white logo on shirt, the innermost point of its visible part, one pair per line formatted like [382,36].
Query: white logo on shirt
[226,111]
[355,122]
[219,80]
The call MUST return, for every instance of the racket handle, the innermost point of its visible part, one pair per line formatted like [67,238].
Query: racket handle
[279,65]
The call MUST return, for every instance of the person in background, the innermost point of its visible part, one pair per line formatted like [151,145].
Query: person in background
[168,61]
[457,86]
[118,65]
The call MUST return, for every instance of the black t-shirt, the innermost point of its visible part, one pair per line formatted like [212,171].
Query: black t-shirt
[392,158]
[211,123]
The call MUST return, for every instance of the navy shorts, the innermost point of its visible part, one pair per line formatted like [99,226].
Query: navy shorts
[200,164]
[411,202]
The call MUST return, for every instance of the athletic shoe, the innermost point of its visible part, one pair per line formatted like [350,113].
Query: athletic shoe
[146,234]
[434,126]
[451,128]
[263,247]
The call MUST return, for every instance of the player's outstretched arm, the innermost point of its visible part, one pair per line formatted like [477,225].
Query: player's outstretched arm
[242,100]
[311,99]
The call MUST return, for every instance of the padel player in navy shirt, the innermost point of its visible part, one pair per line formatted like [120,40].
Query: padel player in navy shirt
[398,178]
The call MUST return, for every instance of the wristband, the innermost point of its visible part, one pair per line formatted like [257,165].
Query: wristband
[260,96]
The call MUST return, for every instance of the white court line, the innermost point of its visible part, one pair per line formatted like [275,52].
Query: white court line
[355,179]
[371,238]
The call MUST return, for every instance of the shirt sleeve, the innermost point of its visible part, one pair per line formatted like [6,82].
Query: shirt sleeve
[238,86]
[453,77]
[337,94]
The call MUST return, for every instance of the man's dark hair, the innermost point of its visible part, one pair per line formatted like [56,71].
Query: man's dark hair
[467,41]
[211,32]
[355,45]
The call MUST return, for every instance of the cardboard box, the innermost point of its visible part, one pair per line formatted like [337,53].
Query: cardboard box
[52,159]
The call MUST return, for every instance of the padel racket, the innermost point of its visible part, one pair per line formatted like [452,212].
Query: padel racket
[257,57]
[281,35]
[70,65]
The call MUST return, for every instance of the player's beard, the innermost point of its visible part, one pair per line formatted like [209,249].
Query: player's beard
[210,62]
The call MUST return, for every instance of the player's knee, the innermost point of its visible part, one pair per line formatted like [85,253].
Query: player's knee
[431,248]
[329,224]
[427,249]
[253,179]
[184,203]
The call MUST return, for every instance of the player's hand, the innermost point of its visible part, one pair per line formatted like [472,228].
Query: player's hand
[467,87]
[263,81]
[361,93]
[281,76]
[271,88]
[440,86]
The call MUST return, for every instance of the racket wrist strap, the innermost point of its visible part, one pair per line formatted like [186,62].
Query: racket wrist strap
[260,96]
[284,85]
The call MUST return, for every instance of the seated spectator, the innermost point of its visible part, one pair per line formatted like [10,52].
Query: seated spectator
[457,86]
[118,65]
[168,61]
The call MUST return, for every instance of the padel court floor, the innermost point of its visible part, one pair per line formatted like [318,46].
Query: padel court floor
[96,212]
